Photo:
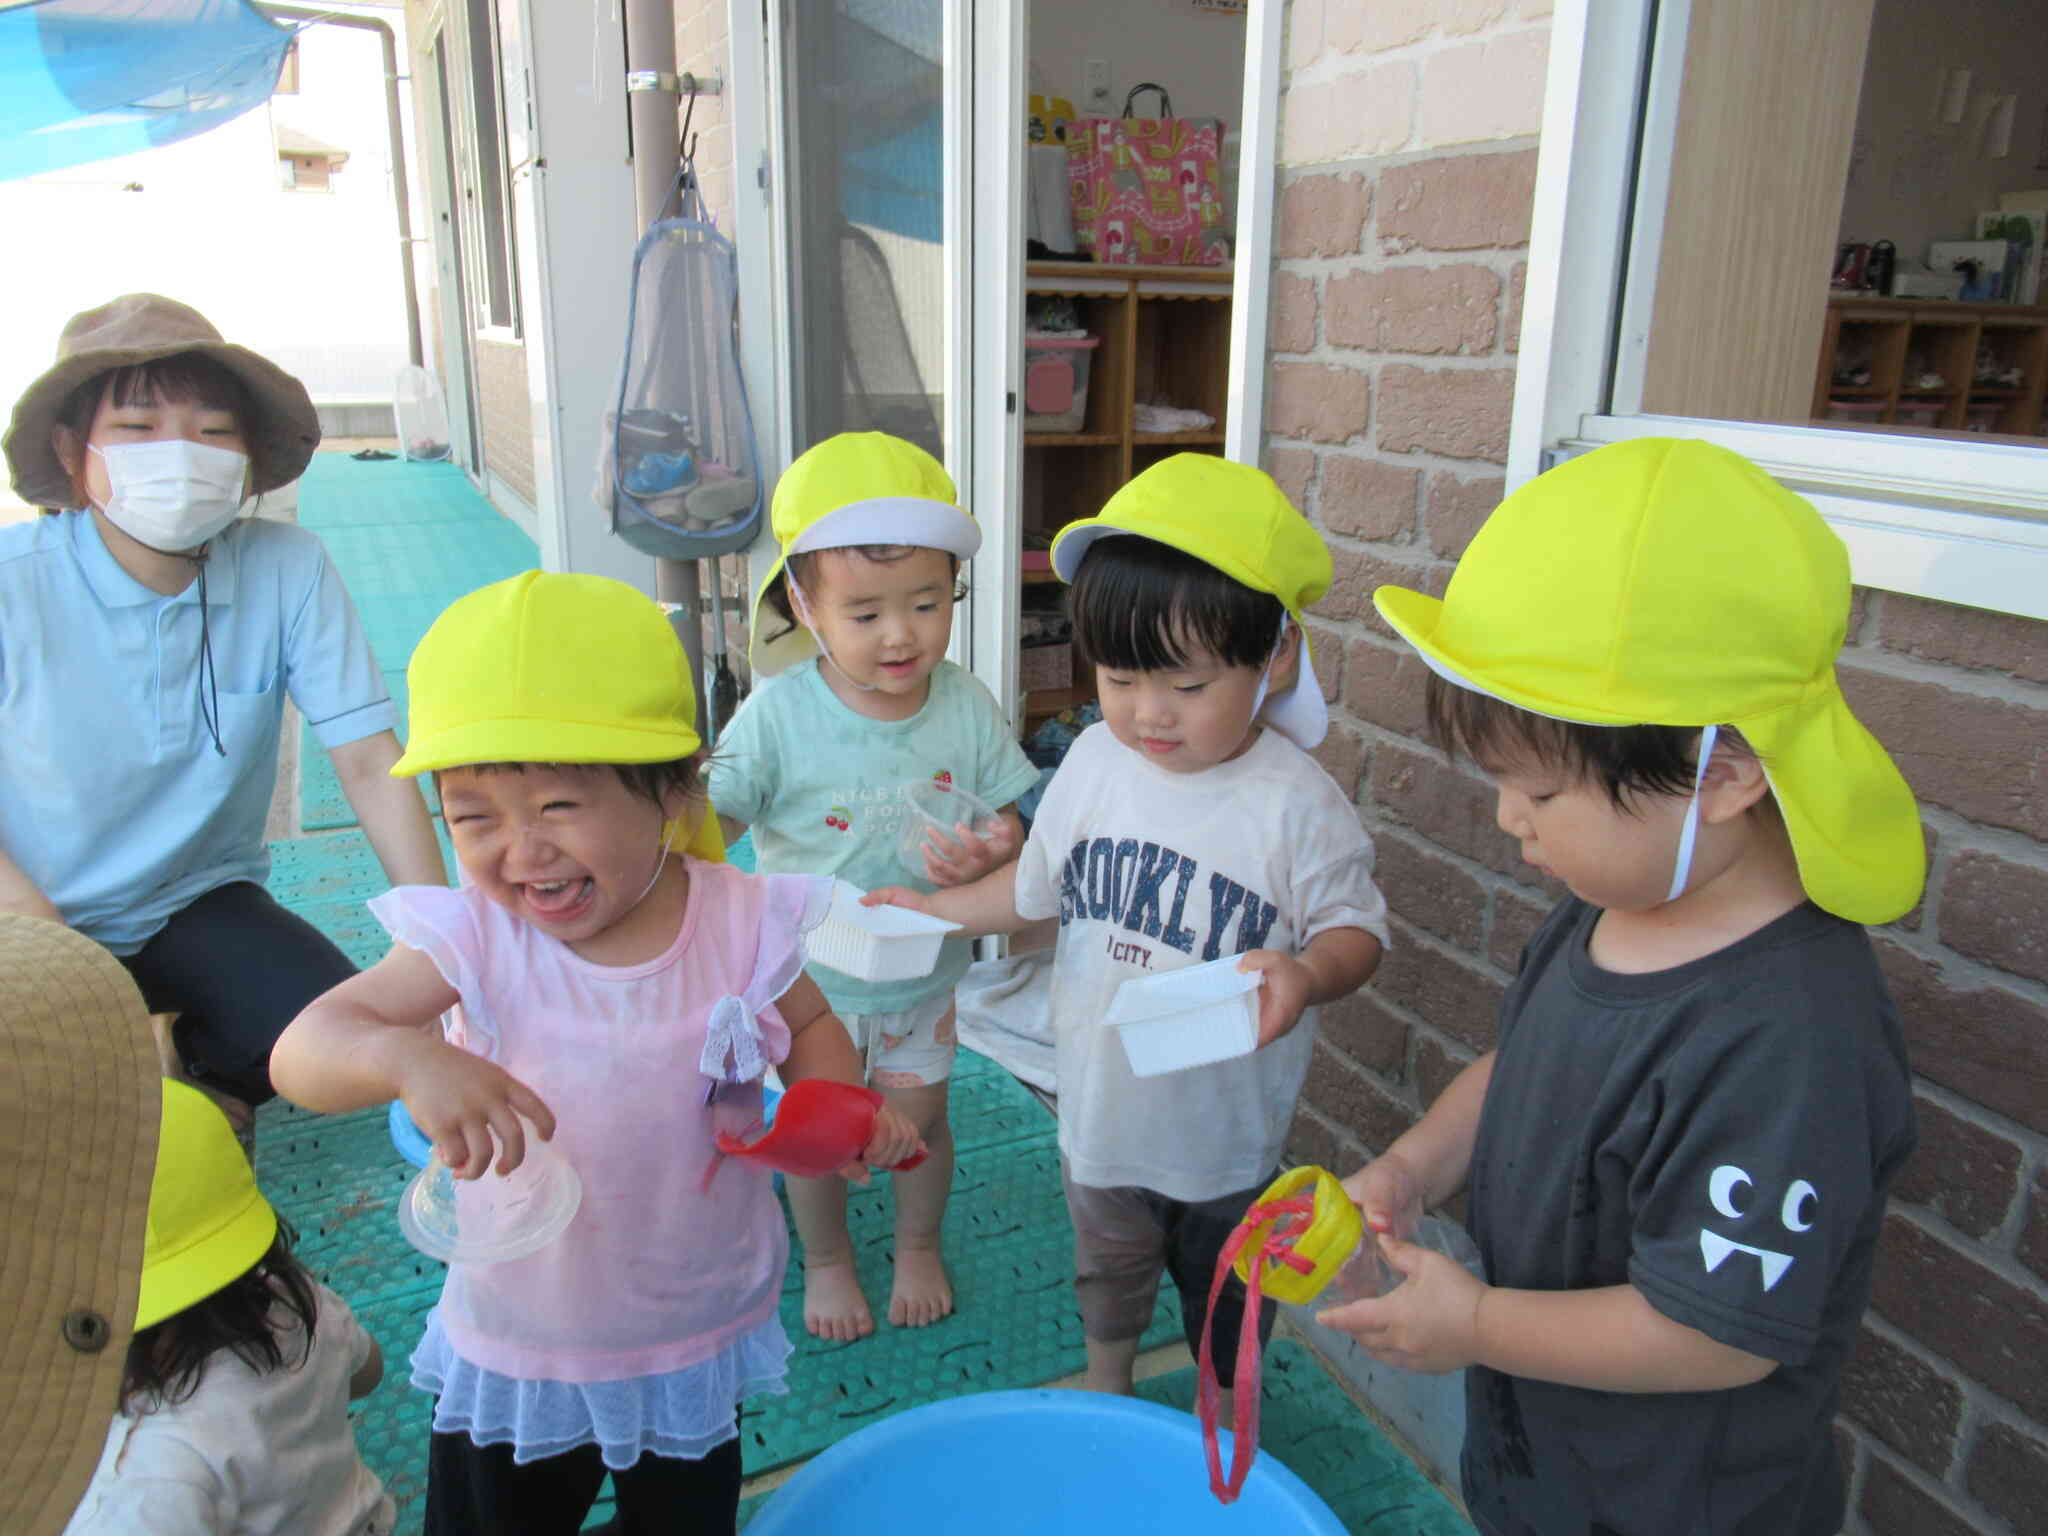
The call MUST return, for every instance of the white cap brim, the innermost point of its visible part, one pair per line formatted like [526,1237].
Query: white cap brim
[911,520]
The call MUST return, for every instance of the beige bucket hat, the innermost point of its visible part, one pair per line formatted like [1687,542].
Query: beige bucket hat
[140,328]
[80,1104]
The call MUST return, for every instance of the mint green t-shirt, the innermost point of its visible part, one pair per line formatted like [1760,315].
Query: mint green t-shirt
[820,786]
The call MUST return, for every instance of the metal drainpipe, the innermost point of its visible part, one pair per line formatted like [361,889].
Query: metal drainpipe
[652,121]
[394,124]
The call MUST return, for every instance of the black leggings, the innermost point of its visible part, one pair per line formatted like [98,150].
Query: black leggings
[475,1488]
[236,968]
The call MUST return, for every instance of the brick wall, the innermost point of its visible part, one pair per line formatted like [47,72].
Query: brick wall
[704,47]
[507,415]
[1407,174]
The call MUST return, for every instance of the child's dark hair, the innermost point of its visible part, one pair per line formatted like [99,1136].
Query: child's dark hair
[804,566]
[181,376]
[1624,760]
[168,1359]
[650,781]
[1142,606]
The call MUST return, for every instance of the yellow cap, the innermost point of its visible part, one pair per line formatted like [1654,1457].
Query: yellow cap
[1236,518]
[1332,1235]
[855,488]
[552,667]
[208,1223]
[1670,582]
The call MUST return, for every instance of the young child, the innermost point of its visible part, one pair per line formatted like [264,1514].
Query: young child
[619,998]
[234,1403]
[862,703]
[1189,824]
[150,636]
[1679,1150]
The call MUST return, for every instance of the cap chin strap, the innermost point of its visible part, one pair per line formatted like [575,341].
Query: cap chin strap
[802,605]
[1683,869]
[660,862]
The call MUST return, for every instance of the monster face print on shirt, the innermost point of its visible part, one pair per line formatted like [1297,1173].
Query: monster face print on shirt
[1734,1196]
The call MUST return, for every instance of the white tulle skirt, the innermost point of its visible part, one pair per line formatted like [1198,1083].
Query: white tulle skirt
[685,1414]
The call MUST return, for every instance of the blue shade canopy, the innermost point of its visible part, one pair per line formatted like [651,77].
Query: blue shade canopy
[84,80]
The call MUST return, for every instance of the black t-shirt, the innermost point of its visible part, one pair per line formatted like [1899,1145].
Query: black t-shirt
[1719,1135]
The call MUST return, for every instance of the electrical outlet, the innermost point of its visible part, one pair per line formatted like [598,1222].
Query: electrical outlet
[1095,77]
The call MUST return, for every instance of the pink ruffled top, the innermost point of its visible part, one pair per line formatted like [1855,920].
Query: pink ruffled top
[656,1272]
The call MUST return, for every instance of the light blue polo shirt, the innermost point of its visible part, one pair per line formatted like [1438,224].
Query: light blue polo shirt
[112,798]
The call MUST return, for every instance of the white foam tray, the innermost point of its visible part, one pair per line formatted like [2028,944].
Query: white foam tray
[1189,1017]
[875,943]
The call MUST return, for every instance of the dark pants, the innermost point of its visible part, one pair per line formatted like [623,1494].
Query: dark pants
[473,1489]
[236,968]
[1124,1237]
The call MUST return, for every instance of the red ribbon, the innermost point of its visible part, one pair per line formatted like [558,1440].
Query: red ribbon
[1277,1248]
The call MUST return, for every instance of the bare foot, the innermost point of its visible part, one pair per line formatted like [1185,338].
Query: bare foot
[834,1307]
[922,1293]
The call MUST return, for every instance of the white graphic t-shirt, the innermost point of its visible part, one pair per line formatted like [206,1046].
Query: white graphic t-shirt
[1152,871]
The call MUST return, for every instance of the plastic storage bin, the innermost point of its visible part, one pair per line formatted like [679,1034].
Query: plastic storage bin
[937,806]
[1919,413]
[1056,381]
[1855,410]
[1189,1017]
[875,943]
[1044,667]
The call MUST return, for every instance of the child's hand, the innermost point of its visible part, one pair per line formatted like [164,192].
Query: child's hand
[898,896]
[967,856]
[894,1140]
[1429,1322]
[1285,993]
[1388,1192]
[461,1101]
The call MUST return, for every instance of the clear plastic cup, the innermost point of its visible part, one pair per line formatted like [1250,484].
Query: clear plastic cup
[494,1218]
[933,809]
[1367,1273]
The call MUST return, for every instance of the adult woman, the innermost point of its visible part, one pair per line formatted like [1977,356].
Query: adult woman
[149,636]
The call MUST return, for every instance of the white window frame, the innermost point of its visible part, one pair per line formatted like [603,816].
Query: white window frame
[474,144]
[1938,518]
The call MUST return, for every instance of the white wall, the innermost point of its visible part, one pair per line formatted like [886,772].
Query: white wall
[1197,56]
[309,279]
[1913,179]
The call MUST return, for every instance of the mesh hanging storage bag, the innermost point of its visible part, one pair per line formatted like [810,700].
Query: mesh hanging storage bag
[678,470]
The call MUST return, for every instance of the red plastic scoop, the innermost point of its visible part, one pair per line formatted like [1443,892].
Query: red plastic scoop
[820,1126]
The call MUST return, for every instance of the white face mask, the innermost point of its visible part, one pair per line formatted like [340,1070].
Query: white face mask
[172,495]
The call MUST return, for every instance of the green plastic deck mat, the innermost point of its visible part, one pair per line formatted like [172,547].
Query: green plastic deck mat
[351,491]
[408,539]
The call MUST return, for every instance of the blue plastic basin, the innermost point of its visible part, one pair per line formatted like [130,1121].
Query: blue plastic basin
[1039,1462]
